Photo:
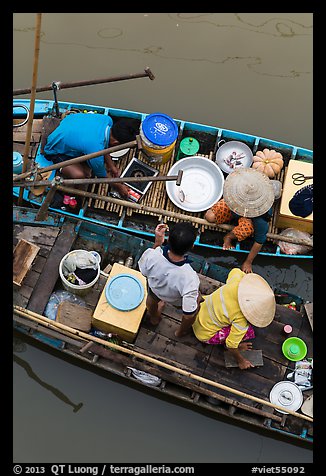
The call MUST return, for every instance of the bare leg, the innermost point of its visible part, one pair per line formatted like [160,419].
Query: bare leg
[76,171]
[154,310]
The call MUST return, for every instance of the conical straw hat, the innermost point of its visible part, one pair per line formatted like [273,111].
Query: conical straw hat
[256,300]
[307,407]
[248,192]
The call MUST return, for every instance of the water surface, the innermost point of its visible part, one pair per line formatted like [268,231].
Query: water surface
[249,72]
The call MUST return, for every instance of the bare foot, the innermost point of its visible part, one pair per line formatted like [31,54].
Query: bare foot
[227,242]
[155,322]
[177,333]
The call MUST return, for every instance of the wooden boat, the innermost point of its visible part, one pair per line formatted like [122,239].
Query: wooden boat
[154,206]
[184,369]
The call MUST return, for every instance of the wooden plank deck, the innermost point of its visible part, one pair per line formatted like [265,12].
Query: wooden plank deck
[50,272]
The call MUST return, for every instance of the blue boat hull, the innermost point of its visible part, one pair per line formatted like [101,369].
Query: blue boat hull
[212,136]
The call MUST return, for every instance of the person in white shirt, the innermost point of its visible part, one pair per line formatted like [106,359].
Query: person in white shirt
[170,277]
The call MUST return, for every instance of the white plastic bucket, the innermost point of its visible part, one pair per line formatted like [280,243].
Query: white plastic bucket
[80,289]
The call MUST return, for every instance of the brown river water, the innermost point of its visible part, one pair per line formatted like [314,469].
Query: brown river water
[249,72]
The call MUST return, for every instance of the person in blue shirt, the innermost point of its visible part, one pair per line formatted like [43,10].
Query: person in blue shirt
[248,198]
[80,134]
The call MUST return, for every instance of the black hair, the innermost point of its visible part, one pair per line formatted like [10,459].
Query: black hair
[125,130]
[182,237]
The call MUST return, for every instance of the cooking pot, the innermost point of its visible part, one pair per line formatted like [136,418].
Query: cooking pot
[232,155]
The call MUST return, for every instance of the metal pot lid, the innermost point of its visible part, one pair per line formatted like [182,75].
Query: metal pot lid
[287,395]
[232,155]
[124,292]
[201,185]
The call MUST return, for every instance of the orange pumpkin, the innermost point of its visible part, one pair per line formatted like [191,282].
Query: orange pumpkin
[269,162]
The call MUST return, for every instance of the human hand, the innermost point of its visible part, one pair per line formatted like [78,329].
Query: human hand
[114,171]
[246,267]
[245,364]
[122,189]
[160,233]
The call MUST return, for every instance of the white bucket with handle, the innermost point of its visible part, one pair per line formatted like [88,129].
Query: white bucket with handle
[80,289]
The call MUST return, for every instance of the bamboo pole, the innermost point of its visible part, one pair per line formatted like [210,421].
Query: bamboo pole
[103,180]
[79,159]
[146,74]
[32,102]
[167,213]
[43,210]
[41,319]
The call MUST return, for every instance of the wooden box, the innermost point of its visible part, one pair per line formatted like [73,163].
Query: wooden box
[285,218]
[124,323]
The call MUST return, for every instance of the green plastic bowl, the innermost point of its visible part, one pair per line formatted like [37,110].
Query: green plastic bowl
[294,348]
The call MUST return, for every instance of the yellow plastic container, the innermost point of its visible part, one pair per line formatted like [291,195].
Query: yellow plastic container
[158,156]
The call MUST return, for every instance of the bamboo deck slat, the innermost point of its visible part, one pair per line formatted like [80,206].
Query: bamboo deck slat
[157,197]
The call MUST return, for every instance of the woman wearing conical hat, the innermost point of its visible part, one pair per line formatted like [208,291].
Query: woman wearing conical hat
[248,197]
[229,314]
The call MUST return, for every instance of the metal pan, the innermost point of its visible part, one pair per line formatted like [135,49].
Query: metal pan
[201,185]
[232,155]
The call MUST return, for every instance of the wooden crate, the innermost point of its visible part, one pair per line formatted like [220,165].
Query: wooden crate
[285,218]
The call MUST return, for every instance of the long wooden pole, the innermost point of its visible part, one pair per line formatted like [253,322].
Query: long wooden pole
[32,102]
[45,321]
[63,181]
[157,211]
[167,213]
[146,74]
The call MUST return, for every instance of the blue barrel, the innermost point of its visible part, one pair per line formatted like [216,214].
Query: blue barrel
[158,133]
[160,129]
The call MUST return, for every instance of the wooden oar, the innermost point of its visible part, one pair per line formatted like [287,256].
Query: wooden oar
[146,74]
[49,323]
[32,102]
[167,213]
